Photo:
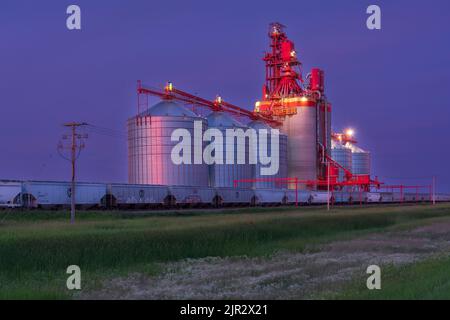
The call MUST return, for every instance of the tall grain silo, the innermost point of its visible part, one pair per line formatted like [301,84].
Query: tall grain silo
[150,147]
[342,155]
[301,129]
[224,175]
[283,158]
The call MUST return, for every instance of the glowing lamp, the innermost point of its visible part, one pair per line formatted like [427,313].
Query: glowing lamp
[349,132]
[257,105]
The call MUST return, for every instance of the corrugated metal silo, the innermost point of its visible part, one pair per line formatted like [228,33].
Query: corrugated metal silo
[361,159]
[283,158]
[224,175]
[150,147]
[343,156]
[301,129]
[361,162]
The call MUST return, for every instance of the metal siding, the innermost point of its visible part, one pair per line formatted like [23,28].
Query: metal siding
[224,175]
[361,162]
[303,196]
[320,197]
[186,195]
[138,194]
[150,152]
[387,196]
[284,155]
[58,193]
[283,161]
[342,196]
[301,130]
[270,196]
[343,156]
[232,195]
[9,191]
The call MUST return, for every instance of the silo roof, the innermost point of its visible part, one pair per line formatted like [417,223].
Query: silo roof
[168,108]
[223,120]
[354,148]
[261,125]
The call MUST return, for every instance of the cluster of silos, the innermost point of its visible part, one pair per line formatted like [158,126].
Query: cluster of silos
[150,147]
[351,157]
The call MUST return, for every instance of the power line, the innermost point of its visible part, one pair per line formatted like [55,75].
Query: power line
[104,129]
[407,178]
[106,132]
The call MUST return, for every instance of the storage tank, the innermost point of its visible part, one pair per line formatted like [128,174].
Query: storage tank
[301,129]
[360,160]
[224,175]
[342,155]
[150,147]
[283,158]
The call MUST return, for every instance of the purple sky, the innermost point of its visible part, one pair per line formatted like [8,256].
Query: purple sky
[392,86]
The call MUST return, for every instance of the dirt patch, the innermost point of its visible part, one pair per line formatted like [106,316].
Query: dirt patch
[436,229]
[284,275]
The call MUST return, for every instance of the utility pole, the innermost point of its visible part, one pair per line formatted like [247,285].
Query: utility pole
[434,190]
[75,146]
[328,185]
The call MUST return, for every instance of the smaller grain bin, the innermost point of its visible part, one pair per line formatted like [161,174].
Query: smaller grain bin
[225,174]
[361,160]
[342,155]
[282,157]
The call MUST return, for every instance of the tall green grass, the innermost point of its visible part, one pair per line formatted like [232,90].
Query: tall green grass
[34,254]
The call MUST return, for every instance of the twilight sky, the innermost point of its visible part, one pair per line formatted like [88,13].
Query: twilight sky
[392,86]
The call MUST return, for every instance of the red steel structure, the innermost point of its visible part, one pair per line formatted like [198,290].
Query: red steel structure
[283,69]
[283,80]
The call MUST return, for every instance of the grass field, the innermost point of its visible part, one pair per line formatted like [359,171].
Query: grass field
[36,247]
[424,280]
